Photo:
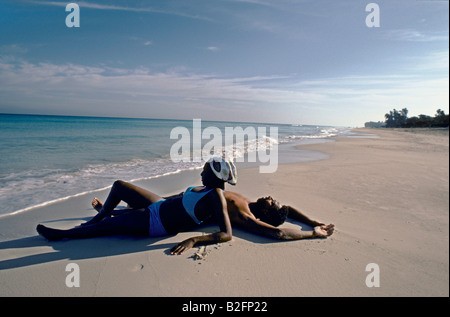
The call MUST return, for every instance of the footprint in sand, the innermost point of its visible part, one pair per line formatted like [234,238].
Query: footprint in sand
[137,268]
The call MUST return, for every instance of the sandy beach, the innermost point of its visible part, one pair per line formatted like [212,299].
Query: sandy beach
[388,197]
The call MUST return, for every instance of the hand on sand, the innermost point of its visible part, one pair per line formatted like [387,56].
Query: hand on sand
[324,231]
[182,246]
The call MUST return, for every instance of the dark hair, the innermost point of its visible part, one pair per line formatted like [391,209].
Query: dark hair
[269,211]
[211,180]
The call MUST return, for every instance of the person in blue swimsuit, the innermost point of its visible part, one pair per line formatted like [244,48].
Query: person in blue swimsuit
[263,216]
[152,215]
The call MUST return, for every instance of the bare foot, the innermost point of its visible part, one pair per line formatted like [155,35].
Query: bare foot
[97,204]
[324,230]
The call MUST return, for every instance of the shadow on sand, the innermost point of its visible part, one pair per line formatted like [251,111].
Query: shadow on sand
[98,247]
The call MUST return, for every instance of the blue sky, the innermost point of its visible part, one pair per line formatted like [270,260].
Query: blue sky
[281,61]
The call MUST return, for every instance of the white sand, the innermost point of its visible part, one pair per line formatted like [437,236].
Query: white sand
[387,196]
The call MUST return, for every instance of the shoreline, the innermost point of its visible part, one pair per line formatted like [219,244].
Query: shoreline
[387,196]
[289,151]
[49,171]
[58,200]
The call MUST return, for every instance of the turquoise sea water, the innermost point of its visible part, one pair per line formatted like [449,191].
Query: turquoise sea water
[46,158]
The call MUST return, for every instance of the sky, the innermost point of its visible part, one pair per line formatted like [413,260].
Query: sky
[281,61]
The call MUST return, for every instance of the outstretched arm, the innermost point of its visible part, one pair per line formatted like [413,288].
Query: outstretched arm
[318,232]
[262,228]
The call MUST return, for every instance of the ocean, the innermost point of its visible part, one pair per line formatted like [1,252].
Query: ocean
[49,158]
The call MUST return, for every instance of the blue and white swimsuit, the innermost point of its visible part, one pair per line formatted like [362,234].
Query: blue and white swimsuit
[189,200]
[156,227]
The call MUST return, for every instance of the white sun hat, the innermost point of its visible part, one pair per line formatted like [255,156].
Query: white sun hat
[224,170]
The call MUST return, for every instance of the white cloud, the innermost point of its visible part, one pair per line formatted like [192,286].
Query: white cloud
[143,92]
[412,35]
[13,49]
[434,62]
[88,90]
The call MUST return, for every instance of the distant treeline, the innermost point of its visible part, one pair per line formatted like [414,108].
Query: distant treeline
[399,119]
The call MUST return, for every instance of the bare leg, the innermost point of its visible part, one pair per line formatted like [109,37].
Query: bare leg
[132,223]
[134,196]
